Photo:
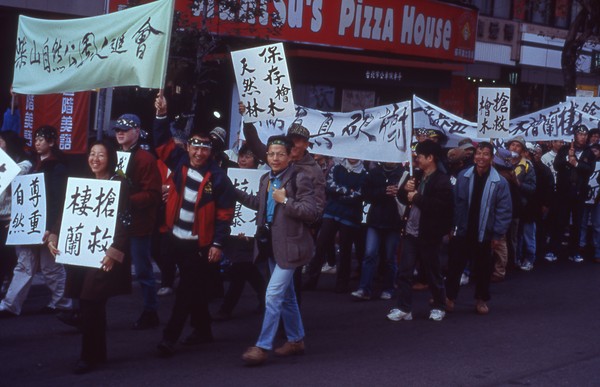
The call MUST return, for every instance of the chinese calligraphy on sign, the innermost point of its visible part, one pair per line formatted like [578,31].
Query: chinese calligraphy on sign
[122,161]
[88,222]
[247,180]
[8,170]
[28,210]
[123,48]
[263,82]
[493,112]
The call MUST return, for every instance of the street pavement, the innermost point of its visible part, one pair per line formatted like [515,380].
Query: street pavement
[542,330]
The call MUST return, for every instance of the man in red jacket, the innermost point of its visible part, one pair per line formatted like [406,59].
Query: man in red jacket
[144,201]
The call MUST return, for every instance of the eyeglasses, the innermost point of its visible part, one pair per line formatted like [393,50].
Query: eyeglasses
[276,154]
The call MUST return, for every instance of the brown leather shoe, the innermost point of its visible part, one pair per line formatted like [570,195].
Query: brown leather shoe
[254,356]
[419,286]
[290,348]
[449,305]
[481,307]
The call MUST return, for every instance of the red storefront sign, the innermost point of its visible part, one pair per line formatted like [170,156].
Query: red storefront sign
[424,28]
[68,113]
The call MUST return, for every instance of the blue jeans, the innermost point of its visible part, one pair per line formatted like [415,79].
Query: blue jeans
[281,302]
[390,239]
[526,245]
[592,210]
[141,250]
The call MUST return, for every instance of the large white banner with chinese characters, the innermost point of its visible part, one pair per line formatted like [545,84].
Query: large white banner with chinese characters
[8,170]
[429,116]
[493,112]
[263,82]
[125,48]
[88,222]
[381,133]
[247,180]
[555,122]
[28,210]
[589,105]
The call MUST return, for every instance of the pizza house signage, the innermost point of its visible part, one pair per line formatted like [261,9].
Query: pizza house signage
[423,28]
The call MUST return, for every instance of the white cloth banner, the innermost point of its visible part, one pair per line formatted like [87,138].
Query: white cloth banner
[263,81]
[594,185]
[28,210]
[381,133]
[89,220]
[8,170]
[553,123]
[429,116]
[125,48]
[247,180]
[589,105]
[493,112]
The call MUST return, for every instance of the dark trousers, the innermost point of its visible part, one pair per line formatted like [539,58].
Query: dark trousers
[191,298]
[571,208]
[93,329]
[8,257]
[480,254]
[428,255]
[239,274]
[326,236]
[164,259]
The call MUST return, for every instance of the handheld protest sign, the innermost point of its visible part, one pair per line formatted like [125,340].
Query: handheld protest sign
[247,180]
[89,221]
[8,170]
[28,210]
[263,81]
[493,112]
[122,161]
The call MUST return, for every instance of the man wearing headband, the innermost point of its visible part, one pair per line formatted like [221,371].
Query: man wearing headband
[144,199]
[574,163]
[199,211]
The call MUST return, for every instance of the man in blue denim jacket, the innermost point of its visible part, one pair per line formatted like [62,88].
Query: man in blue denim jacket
[482,215]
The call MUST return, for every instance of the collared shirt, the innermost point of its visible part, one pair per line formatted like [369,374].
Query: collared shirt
[412,224]
[475,204]
[274,183]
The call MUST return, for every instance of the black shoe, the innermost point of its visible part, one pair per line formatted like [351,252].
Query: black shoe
[309,285]
[70,317]
[48,310]
[147,320]
[198,338]
[6,314]
[166,348]
[83,367]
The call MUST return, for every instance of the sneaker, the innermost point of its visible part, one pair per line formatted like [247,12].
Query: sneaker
[576,258]
[254,356]
[386,295]
[164,291]
[361,294]
[437,315]
[290,348]
[326,269]
[527,266]
[464,279]
[397,315]
[550,257]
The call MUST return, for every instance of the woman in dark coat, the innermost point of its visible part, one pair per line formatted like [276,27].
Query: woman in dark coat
[94,286]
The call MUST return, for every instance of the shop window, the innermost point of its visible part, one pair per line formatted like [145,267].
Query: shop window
[502,9]
[485,6]
[494,30]
[575,9]
[519,9]
[540,11]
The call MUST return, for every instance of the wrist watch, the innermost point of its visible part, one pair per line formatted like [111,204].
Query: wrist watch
[285,201]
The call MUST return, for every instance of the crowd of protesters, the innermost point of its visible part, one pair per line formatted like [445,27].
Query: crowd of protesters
[493,208]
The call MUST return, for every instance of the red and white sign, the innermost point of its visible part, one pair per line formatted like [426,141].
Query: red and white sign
[67,112]
[424,28]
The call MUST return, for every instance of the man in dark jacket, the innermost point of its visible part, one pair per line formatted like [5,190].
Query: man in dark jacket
[144,201]
[427,219]
[199,212]
[574,163]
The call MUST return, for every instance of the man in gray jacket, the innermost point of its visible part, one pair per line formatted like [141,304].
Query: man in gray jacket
[482,215]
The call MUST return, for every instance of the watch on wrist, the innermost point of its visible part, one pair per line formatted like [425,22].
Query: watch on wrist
[285,200]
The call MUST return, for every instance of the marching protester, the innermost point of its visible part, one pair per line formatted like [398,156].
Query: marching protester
[427,220]
[574,163]
[14,146]
[343,214]
[144,197]
[30,258]
[542,198]
[199,212]
[240,253]
[383,228]
[591,211]
[93,287]
[553,231]
[286,206]
[482,214]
